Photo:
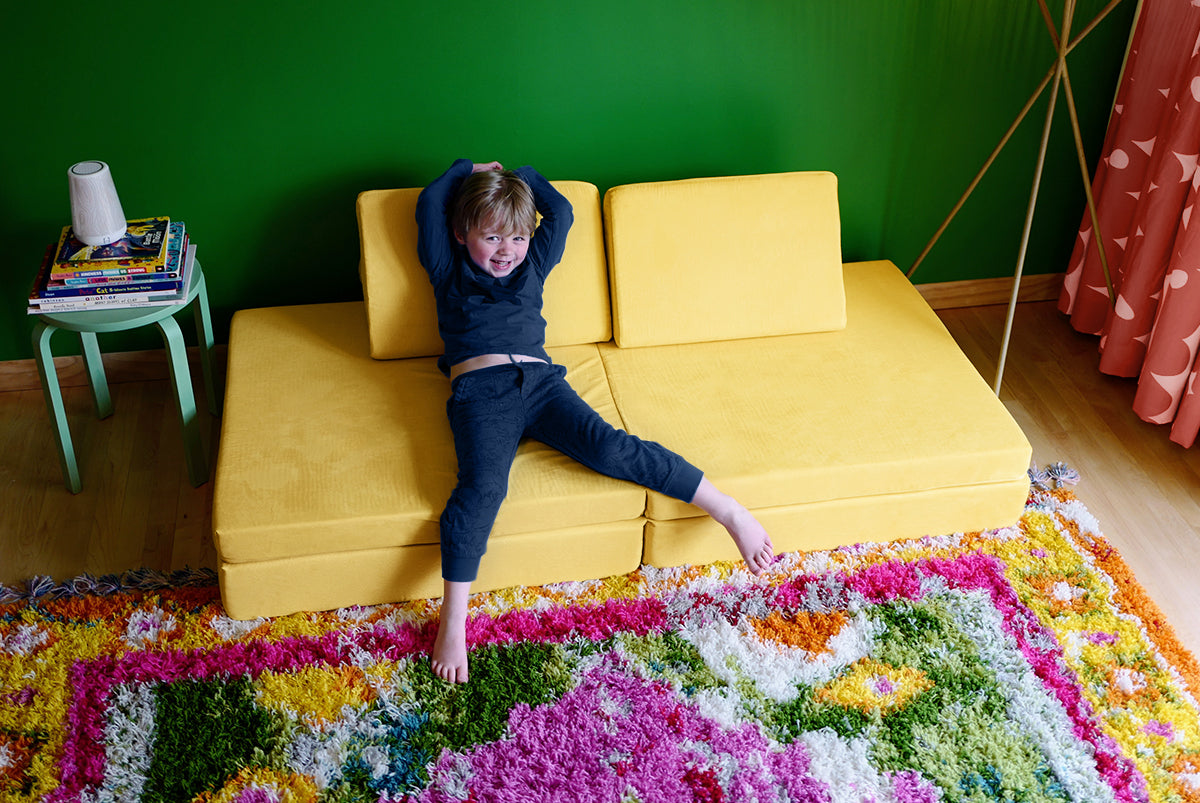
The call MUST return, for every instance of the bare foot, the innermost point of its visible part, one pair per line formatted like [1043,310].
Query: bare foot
[750,537]
[449,656]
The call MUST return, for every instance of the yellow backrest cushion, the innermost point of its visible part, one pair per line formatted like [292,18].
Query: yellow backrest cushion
[401,315]
[710,259]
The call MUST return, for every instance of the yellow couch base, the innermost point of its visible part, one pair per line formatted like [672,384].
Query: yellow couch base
[828,398]
[294,534]
[840,522]
[376,576]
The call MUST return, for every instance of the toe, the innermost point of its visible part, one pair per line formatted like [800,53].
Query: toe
[450,673]
[763,559]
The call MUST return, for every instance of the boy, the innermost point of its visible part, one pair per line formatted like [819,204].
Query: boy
[488,259]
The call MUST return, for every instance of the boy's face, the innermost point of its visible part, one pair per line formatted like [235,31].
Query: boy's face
[494,253]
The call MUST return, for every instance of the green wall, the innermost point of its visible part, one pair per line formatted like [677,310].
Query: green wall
[258,123]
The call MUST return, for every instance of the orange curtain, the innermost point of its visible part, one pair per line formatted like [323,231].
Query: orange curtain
[1145,190]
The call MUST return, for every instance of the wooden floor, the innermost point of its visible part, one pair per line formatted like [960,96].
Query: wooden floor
[138,509]
[1143,489]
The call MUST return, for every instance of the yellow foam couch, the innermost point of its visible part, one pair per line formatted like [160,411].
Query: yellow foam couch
[712,315]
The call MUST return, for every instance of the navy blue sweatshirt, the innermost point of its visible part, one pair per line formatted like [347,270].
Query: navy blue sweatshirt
[479,313]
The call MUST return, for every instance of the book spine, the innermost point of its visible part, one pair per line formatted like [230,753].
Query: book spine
[111,289]
[105,302]
[92,281]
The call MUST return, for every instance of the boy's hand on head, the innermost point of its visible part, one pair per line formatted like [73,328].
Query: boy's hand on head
[480,168]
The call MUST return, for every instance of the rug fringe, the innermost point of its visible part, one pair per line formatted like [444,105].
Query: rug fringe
[44,586]
[1054,476]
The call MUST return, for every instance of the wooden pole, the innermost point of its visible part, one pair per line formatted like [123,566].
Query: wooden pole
[1087,186]
[1020,118]
[1060,66]
[1037,93]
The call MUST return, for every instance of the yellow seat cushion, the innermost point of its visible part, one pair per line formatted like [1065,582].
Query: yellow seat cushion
[324,449]
[723,258]
[399,300]
[887,406]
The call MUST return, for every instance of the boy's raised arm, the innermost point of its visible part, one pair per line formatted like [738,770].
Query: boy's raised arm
[434,238]
[550,239]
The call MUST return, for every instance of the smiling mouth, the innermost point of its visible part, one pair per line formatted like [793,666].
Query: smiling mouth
[502,265]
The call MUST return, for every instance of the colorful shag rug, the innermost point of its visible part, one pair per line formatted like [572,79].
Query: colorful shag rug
[1023,664]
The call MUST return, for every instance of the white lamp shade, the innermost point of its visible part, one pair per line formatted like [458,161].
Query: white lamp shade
[96,214]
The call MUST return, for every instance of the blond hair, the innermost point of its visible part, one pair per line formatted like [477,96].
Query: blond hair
[497,199]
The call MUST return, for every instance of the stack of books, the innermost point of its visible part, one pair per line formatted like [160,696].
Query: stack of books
[150,266]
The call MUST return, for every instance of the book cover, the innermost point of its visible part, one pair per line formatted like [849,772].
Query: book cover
[122,267]
[170,270]
[144,240]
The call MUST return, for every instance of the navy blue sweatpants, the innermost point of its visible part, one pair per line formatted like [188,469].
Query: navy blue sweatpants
[491,409]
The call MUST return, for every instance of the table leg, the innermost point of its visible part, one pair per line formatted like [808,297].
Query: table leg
[181,379]
[44,357]
[204,339]
[95,368]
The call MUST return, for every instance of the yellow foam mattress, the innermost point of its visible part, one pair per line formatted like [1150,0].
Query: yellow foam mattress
[886,414]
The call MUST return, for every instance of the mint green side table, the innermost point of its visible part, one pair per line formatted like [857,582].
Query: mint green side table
[90,322]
